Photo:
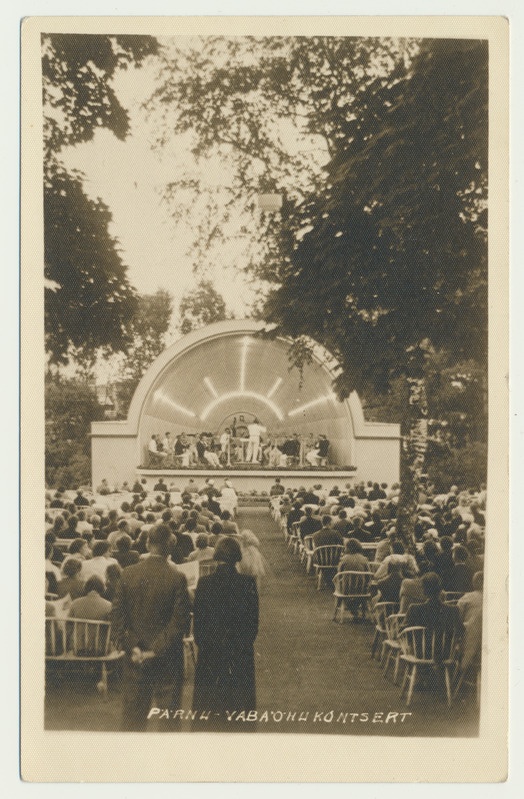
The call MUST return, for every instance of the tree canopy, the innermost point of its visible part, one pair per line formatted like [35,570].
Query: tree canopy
[201,306]
[269,111]
[380,148]
[390,258]
[147,333]
[89,300]
[70,407]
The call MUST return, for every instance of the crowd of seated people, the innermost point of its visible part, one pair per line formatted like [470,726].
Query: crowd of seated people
[446,559]
[246,443]
[87,546]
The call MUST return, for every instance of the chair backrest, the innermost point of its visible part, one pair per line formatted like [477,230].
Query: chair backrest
[393,624]
[352,583]
[88,638]
[80,637]
[451,597]
[382,610]
[54,636]
[207,567]
[424,643]
[370,549]
[308,544]
[63,543]
[328,555]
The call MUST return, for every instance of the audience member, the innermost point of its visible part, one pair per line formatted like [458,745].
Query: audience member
[92,604]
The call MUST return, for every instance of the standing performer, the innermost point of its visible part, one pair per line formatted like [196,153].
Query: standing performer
[255,430]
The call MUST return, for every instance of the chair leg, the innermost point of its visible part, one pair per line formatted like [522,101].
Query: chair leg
[102,685]
[335,611]
[411,685]
[447,678]
[375,643]
[387,655]
[458,684]
[404,680]
[397,665]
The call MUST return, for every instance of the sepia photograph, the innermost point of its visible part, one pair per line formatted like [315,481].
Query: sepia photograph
[264,406]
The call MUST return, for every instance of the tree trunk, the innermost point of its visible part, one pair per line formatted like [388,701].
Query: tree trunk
[414,439]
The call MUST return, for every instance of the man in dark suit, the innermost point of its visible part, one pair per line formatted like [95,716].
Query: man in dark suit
[327,536]
[150,616]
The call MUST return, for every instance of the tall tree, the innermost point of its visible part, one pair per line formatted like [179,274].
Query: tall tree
[201,306]
[389,262]
[147,331]
[89,300]
[70,407]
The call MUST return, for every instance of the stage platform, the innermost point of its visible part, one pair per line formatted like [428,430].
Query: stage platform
[247,480]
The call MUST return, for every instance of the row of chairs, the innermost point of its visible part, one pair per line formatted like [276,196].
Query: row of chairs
[415,648]
[87,641]
[418,649]
[82,641]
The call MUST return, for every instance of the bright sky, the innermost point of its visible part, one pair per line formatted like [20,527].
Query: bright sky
[129,177]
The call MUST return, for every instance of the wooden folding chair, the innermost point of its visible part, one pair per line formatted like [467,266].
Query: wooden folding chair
[423,648]
[326,558]
[351,586]
[381,611]
[81,640]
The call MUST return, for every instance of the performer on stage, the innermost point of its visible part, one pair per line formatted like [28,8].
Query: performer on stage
[224,445]
[206,454]
[255,430]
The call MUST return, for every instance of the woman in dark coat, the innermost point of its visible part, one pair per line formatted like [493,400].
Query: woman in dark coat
[225,627]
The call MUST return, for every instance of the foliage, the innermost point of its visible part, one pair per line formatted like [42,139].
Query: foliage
[89,300]
[269,111]
[465,467]
[77,94]
[398,234]
[201,306]
[70,407]
[147,331]
[94,302]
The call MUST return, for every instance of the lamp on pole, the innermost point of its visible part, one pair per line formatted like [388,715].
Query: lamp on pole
[269,201]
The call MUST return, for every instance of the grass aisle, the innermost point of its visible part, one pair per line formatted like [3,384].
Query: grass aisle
[308,664]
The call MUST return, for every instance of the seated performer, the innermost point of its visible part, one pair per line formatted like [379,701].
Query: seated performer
[156,453]
[319,453]
[205,454]
[182,449]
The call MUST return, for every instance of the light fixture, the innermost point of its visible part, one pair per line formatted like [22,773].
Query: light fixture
[243,359]
[233,395]
[210,386]
[271,391]
[159,395]
[312,404]
[269,201]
